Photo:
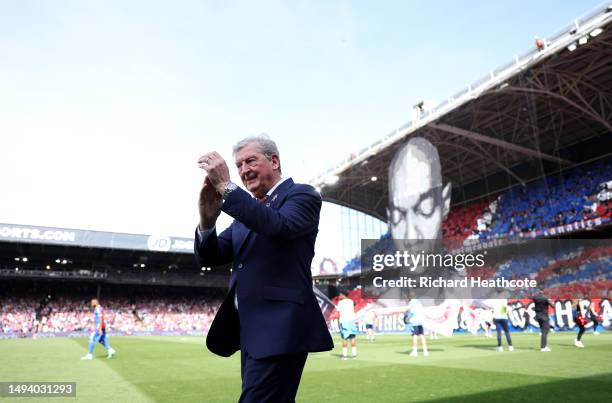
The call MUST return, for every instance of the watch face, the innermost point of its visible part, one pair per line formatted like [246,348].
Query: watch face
[229,188]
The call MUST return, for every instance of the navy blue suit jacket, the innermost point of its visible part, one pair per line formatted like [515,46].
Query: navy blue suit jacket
[271,247]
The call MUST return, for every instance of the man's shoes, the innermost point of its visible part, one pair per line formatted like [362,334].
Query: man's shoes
[578,343]
[414,353]
[595,332]
[344,357]
[87,357]
[545,350]
[111,352]
[510,348]
[426,353]
[500,349]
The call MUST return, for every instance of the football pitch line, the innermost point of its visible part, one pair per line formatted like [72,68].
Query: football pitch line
[58,360]
[459,368]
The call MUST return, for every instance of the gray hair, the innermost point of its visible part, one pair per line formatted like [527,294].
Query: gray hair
[267,146]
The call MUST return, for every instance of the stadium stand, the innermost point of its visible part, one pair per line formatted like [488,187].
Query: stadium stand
[464,221]
[553,201]
[128,309]
[69,315]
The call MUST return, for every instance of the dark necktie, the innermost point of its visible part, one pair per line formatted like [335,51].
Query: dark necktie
[263,199]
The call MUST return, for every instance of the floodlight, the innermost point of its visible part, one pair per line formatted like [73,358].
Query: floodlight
[330,180]
[596,32]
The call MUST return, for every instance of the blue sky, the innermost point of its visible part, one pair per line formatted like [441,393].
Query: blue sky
[105,106]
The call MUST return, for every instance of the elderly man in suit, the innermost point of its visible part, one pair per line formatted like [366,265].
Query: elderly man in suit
[270,313]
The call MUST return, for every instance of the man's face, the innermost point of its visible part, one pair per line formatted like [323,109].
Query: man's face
[257,173]
[416,205]
[94,303]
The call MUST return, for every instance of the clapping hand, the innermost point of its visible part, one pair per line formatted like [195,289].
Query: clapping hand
[216,170]
[209,204]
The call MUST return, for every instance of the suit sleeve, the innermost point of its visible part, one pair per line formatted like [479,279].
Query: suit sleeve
[213,249]
[299,214]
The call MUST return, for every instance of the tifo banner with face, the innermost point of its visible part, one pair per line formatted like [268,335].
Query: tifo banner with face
[454,316]
[454,233]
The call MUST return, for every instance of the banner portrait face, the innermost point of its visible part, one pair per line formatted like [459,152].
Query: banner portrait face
[418,201]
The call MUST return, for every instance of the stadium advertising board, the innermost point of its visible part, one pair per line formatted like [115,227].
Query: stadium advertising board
[452,316]
[93,239]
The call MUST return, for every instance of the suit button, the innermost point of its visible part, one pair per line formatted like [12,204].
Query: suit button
[240,266]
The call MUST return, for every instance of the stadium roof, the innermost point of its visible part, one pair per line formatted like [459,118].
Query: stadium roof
[93,239]
[63,254]
[529,111]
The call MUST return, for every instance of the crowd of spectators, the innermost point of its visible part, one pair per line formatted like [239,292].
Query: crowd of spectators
[464,221]
[575,271]
[69,314]
[579,194]
[353,266]
[599,204]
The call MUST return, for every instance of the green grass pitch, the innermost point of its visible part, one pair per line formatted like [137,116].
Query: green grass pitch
[462,368]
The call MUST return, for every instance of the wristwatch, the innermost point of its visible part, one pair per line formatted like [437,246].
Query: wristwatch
[229,188]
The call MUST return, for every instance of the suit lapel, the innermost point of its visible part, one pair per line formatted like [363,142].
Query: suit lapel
[274,201]
[278,196]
